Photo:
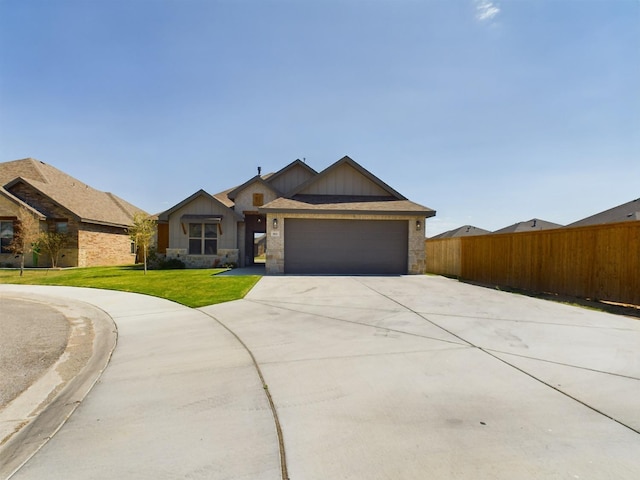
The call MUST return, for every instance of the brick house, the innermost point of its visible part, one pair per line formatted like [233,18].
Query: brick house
[341,220]
[96,222]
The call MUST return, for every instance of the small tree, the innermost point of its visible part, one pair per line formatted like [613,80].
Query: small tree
[53,243]
[25,235]
[141,234]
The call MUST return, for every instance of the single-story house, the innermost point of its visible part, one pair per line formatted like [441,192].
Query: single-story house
[343,220]
[95,222]
[529,226]
[627,212]
[463,231]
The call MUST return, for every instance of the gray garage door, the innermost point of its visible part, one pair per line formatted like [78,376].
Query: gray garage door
[345,246]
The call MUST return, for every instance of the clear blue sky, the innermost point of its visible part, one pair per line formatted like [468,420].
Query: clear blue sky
[490,112]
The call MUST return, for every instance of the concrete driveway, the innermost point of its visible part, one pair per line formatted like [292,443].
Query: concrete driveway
[370,377]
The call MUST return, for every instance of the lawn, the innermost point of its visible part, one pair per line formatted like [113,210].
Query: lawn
[193,288]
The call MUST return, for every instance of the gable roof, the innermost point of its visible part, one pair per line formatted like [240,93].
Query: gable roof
[164,216]
[626,212]
[463,231]
[273,177]
[19,203]
[232,194]
[390,202]
[528,226]
[334,167]
[87,203]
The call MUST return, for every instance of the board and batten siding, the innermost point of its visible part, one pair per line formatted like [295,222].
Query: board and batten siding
[291,179]
[345,180]
[202,206]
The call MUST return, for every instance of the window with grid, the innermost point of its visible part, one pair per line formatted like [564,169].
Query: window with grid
[203,239]
[6,235]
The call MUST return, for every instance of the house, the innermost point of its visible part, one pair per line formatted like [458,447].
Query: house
[626,212]
[464,231]
[96,222]
[529,226]
[341,220]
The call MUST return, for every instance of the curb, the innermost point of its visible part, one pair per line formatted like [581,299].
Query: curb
[41,410]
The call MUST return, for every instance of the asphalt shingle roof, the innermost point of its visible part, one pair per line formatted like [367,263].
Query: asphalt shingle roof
[528,226]
[463,231]
[626,212]
[346,204]
[89,204]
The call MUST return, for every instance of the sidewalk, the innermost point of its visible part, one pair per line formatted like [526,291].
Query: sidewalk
[179,399]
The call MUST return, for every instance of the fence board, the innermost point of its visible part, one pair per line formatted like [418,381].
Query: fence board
[600,262]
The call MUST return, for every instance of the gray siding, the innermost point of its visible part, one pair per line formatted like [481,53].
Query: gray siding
[291,179]
[344,180]
[203,206]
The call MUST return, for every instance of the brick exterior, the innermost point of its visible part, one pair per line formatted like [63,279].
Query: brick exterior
[88,245]
[275,238]
[101,245]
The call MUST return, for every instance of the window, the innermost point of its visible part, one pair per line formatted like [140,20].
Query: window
[203,239]
[6,235]
[258,199]
[62,227]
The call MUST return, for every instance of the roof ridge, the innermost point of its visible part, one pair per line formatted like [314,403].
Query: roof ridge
[118,201]
[36,164]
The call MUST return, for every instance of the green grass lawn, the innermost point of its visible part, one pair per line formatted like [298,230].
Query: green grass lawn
[193,288]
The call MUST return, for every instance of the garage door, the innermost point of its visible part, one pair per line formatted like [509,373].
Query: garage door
[345,246]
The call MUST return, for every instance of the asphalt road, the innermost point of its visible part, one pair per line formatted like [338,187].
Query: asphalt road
[33,335]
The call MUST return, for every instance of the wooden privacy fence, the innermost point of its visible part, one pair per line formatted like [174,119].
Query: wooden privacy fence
[599,262]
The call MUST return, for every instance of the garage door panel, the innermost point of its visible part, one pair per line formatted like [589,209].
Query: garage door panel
[346,246]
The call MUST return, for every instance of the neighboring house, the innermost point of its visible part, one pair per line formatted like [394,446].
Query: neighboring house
[528,226]
[341,220]
[627,212]
[260,245]
[464,231]
[96,222]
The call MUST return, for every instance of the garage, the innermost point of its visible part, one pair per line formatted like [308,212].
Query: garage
[328,246]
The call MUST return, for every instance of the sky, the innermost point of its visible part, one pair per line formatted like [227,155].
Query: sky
[490,112]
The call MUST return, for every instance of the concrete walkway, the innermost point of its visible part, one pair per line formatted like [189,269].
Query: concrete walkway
[372,377]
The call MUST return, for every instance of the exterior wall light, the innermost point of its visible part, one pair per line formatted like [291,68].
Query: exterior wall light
[418,225]
[275,223]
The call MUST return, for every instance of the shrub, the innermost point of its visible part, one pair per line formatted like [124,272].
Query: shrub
[171,264]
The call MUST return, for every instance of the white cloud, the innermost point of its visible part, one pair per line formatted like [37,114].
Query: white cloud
[486,10]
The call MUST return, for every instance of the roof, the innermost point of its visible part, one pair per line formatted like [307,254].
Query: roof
[164,216]
[626,212]
[271,177]
[15,200]
[233,193]
[528,226]
[346,160]
[463,231]
[390,202]
[346,204]
[87,203]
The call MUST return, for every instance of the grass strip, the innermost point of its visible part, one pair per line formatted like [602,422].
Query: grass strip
[191,287]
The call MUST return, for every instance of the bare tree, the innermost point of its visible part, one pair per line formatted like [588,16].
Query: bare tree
[25,234]
[141,233]
[53,243]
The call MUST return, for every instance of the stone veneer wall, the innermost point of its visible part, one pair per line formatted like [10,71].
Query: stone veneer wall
[275,238]
[225,255]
